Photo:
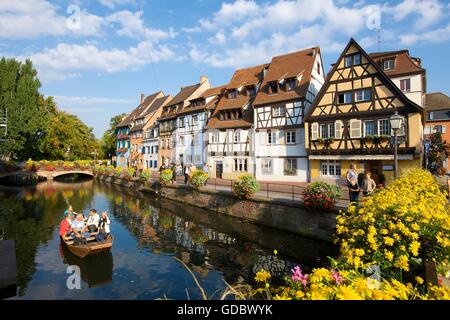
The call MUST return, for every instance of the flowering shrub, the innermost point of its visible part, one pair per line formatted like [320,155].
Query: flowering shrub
[245,186]
[333,284]
[398,228]
[31,166]
[109,170]
[99,169]
[118,171]
[321,195]
[165,176]
[145,175]
[198,179]
[68,166]
[130,173]
[50,167]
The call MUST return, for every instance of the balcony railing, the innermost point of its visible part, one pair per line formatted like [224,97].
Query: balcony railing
[123,137]
[122,150]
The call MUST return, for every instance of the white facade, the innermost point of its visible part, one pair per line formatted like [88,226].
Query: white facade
[280,151]
[150,148]
[189,139]
[230,152]
[414,91]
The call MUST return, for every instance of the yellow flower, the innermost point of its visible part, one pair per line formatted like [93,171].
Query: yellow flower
[388,241]
[359,252]
[414,247]
[419,280]
[402,263]
[262,276]
[388,255]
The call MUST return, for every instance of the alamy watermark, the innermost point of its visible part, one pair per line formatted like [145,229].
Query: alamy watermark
[74,280]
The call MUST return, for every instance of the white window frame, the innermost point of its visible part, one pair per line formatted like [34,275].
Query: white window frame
[335,164]
[240,165]
[278,111]
[291,137]
[363,95]
[345,93]
[197,158]
[270,137]
[364,128]
[295,160]
[406,80]
[379,127]
[388,66]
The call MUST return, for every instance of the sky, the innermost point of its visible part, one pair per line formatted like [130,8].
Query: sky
[96,57]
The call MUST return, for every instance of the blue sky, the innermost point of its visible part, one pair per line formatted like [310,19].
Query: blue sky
[97,56]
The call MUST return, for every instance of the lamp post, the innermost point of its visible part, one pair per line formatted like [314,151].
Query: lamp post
[396,122]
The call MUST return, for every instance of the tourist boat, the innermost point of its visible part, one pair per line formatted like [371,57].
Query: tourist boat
[91,247]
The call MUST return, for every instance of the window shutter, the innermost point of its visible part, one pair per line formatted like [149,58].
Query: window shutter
[443,128]
[427,130]
[355,128]
[338,129]
[281,137]
[314,131]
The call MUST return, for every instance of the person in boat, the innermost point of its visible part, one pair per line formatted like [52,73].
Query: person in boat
[103,227]
[93,220]
[65,226]
[78,228]
[68,211]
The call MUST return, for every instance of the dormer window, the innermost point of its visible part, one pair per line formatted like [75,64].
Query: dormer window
[273,87]
[251,91]
[388,64]
[353,60]
[232,94]
[290,84]
[198,103]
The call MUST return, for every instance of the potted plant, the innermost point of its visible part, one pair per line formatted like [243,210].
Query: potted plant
[319,141]
[198,179]
[246,186]
[165,176]
[368,139]
[321,195]
[327,142]
[145,175]
[383,138]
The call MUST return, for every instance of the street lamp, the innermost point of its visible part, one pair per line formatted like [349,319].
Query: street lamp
[396,121]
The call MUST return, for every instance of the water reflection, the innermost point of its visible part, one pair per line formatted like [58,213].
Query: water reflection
[148,234]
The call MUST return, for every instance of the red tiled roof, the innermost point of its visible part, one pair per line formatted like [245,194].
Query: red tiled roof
[128,120]
[437,101]
[247,76]
[286,66]
[404,63]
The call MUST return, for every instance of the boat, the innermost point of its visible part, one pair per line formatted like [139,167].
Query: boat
[91,247]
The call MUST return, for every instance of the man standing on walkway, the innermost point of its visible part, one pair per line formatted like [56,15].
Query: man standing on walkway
[186,174]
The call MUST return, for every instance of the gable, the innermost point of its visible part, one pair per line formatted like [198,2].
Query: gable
[381,94]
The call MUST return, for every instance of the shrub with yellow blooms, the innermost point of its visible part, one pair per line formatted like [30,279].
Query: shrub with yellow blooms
[398,228]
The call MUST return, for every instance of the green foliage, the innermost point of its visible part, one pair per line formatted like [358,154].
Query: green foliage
[109,140]
[165,176]
[130,172]
[438,152]
[118,171]
[145,175]
[245,186]
[198,179]
[109,170]
[321,195]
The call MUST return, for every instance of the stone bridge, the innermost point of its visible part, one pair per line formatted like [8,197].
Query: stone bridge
[49,175]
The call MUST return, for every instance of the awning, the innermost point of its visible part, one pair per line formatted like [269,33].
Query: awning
[361,157]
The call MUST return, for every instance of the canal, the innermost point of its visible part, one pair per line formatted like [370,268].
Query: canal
[148,234]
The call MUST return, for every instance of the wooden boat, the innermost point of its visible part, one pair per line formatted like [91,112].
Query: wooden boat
[91,247]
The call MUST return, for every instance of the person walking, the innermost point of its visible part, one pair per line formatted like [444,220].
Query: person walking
[174,173]
[186,174]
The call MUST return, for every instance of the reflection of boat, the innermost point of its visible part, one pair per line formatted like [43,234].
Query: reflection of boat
[95,270]
[92,247]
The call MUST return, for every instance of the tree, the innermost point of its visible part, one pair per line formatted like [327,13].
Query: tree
[19,95]
[438,151]
[109,139]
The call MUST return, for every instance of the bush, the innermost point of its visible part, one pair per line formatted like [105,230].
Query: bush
[99,169]
[398,228]
[245,186]
[31,166]
[130,173]
[165,176]
[198,179]
[145,175]
[118,171]
[321,195]
[50,167]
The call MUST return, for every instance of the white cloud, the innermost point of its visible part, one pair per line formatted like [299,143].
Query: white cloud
[88,101]
[67,60]
[111,4]
[434,36]
[428,11]
[27,19]
[132,25]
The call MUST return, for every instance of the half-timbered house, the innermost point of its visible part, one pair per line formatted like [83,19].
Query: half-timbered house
[230,129]
[287,92]
[349,121]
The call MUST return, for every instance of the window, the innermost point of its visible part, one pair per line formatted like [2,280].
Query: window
[388,64]
[194,120]
[290,84]
[197,158]
[384,127]
[273,87]
[430,115]
[155,163]
[181,140]
[214,137]
[290,167]
[331,168]
[189,158]
[240,165]
[232,94]
[236,136]
[405,85]
[270,137]
[439,129]
[369,128]
[181,122]
[345,97]
[156,149]
[363,95]
[318,67]
[353,60]
[278,111]
[327,130]
[266,166]
[290,137]
[251,91]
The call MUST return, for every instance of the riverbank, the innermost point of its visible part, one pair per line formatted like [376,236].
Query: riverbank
[283,214]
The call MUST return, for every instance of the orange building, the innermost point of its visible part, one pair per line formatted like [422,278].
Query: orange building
[437,108]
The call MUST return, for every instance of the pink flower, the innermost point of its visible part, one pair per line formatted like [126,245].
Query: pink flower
[337,277]
[297,275]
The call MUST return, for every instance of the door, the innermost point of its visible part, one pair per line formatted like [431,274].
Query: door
[375,169]
[219,169]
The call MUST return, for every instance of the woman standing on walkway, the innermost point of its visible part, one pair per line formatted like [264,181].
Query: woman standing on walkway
[352,175]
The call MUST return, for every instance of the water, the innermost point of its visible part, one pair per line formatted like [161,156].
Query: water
[148,234]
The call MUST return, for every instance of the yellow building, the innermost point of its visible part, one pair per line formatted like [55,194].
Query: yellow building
[349,122]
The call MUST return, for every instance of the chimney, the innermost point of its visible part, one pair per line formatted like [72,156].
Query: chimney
[142,97]
[203,79]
